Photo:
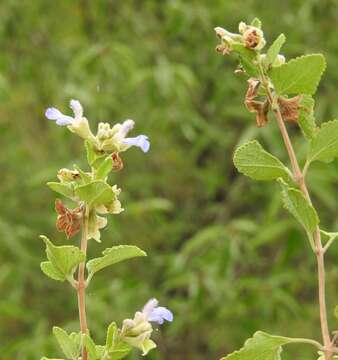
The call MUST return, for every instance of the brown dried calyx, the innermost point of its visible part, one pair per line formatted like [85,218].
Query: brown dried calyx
[261,108]
[290,107]
[68,220]
[117,162]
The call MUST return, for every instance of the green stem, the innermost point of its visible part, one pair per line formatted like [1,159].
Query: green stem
[319,251]
[81,286]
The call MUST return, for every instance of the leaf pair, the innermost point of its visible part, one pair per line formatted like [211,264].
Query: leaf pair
[253,161]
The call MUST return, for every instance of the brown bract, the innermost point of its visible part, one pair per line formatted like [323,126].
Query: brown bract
[259,107]
[68,220]
[290,108]
[223,49]
[117,162]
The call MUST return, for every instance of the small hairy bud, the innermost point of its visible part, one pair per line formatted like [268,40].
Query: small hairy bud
[66,175]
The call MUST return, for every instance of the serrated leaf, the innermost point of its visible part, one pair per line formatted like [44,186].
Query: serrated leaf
[296,203]
[104,169]
[51,271]
[92,153]
[120,351]
[324,146]
[253,161]
[274,50]
[95,193]
[299,76]
[68,346]
[112,256]
[91,348]
[64,259]
[64,189]
[306,119]
[247,58]
[261,346]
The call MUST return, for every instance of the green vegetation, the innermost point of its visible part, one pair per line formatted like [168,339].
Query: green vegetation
[223,267]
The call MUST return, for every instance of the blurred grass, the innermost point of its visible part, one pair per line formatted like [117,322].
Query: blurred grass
[224,255]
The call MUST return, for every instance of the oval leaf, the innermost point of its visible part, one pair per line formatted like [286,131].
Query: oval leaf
[296,203]
[261,346]
[253,161]
[68,346]
[112,256]
[324,146]
[299,76]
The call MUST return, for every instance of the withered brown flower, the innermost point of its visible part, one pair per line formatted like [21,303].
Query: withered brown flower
[290,108]
[259,107]
[117,162]
[68,220]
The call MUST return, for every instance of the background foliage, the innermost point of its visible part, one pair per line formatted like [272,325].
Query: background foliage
[224,255]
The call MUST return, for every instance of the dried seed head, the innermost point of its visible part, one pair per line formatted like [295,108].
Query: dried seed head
[290,108]
[68,220]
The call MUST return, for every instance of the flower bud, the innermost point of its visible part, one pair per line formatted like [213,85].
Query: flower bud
[280,60]
[67,175]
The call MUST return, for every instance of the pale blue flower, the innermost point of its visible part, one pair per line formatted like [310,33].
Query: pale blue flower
[155,313]
[140,141]
[56,115]
[65,120]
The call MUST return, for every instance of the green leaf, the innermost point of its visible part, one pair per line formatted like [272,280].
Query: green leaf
[306,119]
[274,50]
[111,333]
[324,146]
[95,193]
[253,161]
[112,256]
[296,203]
[85,177]
[298,76]
[91,347]
[120,351]
[105,168]
[261,346]
[67,344]
[257,23]
[92,153]
[51,271]
[247,58]
[64,259]
[65,189]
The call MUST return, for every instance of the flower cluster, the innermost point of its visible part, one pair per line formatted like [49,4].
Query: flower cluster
[251,36]
[108,139]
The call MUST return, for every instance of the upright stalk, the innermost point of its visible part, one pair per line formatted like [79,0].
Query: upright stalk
[81,286]
[319,250]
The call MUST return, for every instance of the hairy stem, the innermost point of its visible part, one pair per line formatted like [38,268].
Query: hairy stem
[81,286]
[319,250]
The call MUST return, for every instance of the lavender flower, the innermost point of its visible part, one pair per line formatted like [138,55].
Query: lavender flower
[77,124]
[155,313]
[140,141]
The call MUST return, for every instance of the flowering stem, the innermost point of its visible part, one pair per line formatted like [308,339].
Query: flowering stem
[299,178]
[81,286]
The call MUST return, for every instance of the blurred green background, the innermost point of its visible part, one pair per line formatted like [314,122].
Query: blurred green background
[223,254]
